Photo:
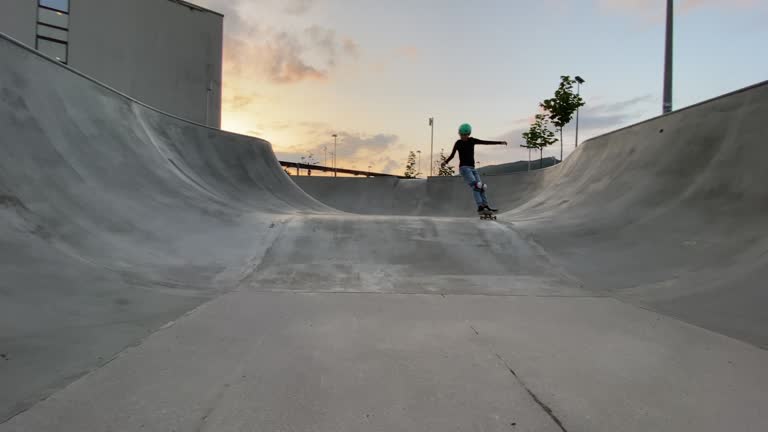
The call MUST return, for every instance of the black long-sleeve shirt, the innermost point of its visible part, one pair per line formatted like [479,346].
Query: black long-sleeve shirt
[466,149]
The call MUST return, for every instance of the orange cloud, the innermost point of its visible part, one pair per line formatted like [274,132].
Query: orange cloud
[255,50]
[239,102]
[275,56]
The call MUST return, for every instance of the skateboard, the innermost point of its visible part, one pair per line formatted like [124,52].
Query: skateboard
[487,215]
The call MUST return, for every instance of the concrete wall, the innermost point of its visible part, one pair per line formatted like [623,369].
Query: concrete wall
[18,19]
[165,53]
[161,52]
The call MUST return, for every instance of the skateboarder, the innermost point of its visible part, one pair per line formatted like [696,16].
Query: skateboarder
[466,148]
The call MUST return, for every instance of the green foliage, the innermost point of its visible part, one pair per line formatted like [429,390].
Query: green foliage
[410,166]
[563,106]
[442,168]
[539,136]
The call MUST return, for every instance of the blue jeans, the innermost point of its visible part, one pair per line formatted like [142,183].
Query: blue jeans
[472,178]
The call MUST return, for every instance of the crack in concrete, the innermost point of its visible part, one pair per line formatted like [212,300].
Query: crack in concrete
[535,398]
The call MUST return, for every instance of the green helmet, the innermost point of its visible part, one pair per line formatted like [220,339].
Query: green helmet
[465,129]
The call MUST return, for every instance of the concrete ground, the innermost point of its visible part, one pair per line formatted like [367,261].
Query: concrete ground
[159,275]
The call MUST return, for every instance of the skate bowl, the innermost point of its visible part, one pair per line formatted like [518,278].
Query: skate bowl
[435,196]
[668,213]
[156,274]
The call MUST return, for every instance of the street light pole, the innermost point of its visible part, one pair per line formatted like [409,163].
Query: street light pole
[431,144]
[667,107]
[335,138]
[579,82]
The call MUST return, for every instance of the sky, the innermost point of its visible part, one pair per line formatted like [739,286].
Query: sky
[373,72]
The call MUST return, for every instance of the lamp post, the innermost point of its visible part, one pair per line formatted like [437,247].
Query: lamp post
[431,144]
[335,138]
[579,82]
[668,58]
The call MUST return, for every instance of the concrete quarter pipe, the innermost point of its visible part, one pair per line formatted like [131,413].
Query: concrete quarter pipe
[159,275]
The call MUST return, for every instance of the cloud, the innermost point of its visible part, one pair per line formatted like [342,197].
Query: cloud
[391,166]
[656,11]
[351,48]
[409,52]
[593,119]
[314,125]
[254,49]
[615,114]
[353,144]
[274,56]
[282,56]
[688,5]
[324,40]
[298,7]
[240,101]
[352,147]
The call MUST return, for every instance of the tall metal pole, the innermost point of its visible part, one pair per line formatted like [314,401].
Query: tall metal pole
[578,93]
[667,107]
[335,137]
[431,145]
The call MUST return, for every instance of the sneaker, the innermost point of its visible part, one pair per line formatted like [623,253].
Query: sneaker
[491,209]
[481,209]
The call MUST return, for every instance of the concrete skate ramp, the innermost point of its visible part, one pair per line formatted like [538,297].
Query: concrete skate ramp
[669,213]
[435,196]
[159,275]
[114,219]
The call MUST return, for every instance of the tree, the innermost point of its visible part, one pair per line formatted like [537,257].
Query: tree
[442,168]
[561,108]
[539,136]
[410,166]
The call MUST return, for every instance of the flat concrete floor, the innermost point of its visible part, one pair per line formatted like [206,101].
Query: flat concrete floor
[346,343]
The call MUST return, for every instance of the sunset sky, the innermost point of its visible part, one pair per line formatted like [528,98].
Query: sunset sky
[373,71]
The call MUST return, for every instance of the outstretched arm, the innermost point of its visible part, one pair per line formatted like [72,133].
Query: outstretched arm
[483,142]
[453,153]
